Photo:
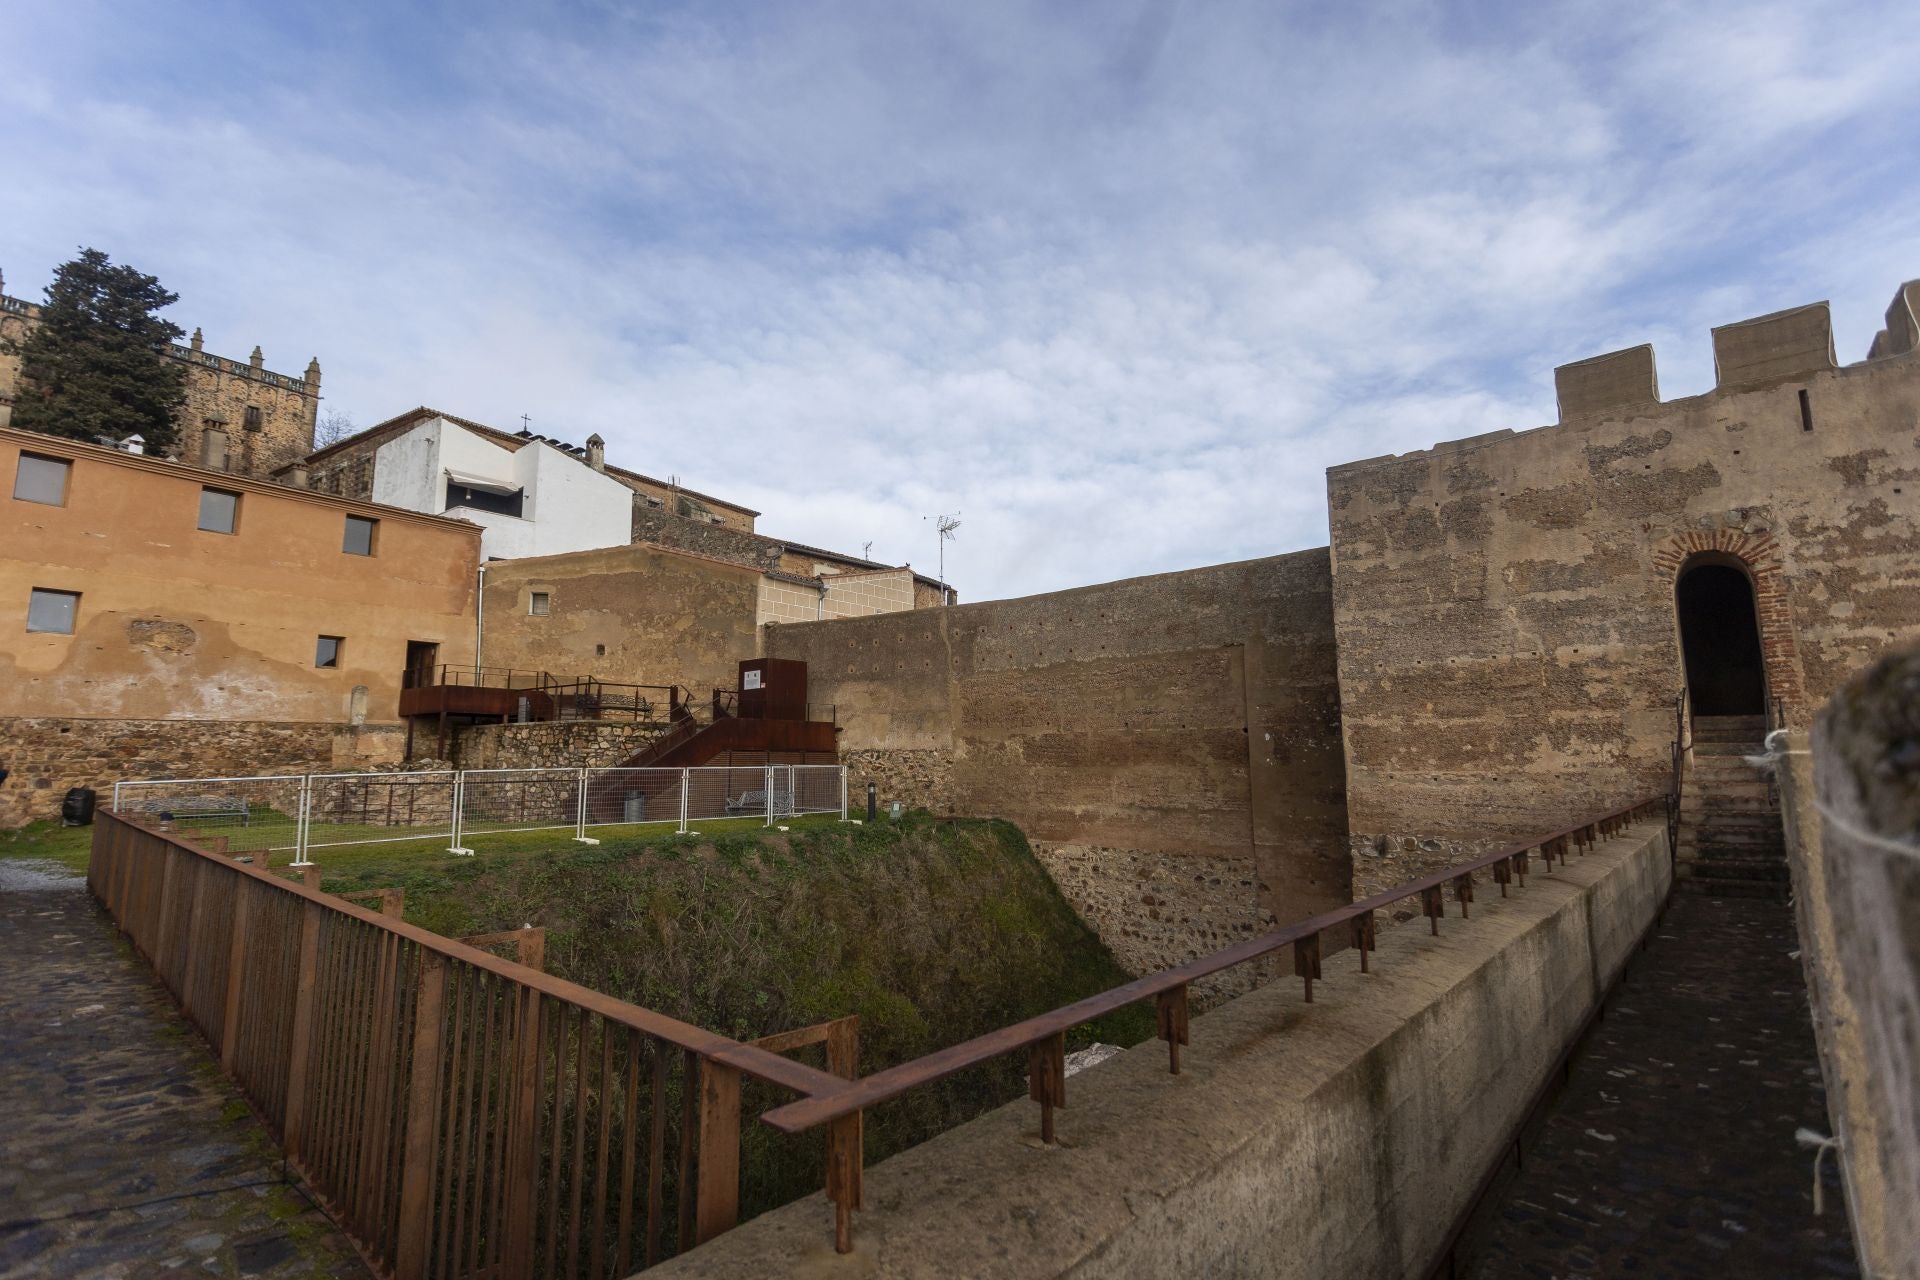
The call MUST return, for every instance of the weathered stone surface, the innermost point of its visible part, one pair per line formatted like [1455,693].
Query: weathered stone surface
[46,754]
[1183,720]
[126,1154]
[1508,648]
[580,744]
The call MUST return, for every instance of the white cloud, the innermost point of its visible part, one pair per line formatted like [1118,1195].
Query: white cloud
[1117,284]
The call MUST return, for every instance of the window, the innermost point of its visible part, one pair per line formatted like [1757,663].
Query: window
[511,503]
[539,603]
[327,652]
[41,480]
[359,540]
[219,510]
[252,420]
[52,611]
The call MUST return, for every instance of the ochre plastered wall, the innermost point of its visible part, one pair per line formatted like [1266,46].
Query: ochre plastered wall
[1170,743]
[178,624]
[662,617]
[1509,652]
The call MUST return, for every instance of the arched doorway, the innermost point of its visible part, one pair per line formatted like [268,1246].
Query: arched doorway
[1720,637]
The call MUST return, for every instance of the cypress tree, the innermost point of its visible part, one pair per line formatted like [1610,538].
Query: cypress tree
[96,365]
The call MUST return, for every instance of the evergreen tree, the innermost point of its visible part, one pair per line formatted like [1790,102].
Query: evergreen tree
[96,364]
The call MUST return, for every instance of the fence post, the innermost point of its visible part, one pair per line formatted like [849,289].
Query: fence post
[684,775]
[768,793]
[523,1136]
[843,793]
[302,822]
[423,1111]
[300,1050]
[719,1183]
[580,824]
[236,971]
[459,803]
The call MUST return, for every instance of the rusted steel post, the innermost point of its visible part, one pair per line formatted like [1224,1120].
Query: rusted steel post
[423,1114]
[846,1163]
[1463,892]
[1434,903]
[310,877]
[1362,926]
[523,1134]
[1171,1013]
[304,1041]
[719,1190]
[1503,874]
[1047,1079]
[236,970]
[1306,961]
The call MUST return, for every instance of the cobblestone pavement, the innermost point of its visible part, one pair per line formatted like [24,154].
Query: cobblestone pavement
[123,1151]
[1671,1151]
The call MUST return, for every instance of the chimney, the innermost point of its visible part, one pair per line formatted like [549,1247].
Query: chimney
[196,343]
[298,477]
[213,448]
[596,452]
[257,360]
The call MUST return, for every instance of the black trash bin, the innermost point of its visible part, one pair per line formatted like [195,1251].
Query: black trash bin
[77,809]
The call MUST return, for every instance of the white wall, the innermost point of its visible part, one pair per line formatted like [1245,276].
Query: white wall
[568,505]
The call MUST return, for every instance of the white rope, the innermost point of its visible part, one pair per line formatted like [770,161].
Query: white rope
[1905,848]
[1821,1144]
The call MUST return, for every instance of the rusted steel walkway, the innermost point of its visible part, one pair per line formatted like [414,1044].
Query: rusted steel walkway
[1671,1151]
[123,1151]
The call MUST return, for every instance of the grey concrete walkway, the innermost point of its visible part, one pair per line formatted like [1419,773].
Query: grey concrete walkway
[123,1151]
[1671,1151]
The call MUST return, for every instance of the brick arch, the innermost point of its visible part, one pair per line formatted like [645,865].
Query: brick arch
[1760,553]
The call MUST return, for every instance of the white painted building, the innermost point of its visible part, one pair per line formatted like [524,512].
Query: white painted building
[533,499]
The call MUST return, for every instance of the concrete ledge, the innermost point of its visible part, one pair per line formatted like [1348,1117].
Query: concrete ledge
[1338,1139]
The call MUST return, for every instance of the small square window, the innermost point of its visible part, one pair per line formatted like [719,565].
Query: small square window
[359,540]
[219,510]
[41,479]
[52,611]
[327,652]
[539,603]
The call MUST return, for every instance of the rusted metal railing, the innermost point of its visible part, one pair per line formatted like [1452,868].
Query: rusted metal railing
[1043,1037]
[458,1113]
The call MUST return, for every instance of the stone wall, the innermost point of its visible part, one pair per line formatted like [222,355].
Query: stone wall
[635,614]
[48,754]
[724,542]
[1187,723]
[1508,647]
[571,744]
[1334,1141]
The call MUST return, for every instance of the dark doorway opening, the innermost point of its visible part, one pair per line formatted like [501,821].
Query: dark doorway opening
[422,656]
[1720,640]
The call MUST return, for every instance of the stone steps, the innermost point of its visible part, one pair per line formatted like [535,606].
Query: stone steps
[1730,842]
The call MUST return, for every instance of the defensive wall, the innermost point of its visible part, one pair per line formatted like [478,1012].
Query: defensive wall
[194,651]
[1342,1139]
[1170,743]
[1504,605]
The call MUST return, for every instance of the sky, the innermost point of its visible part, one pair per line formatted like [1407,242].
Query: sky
[1113,281]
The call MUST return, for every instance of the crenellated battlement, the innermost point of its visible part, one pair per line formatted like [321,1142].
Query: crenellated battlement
[1778,347]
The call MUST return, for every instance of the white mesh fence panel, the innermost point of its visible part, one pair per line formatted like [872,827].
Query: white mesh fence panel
[812,788]
[248,814]
[622,797]
[518,800]
[736,792]
[379,808]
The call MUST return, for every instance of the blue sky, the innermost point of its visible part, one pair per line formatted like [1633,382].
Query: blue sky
[1116,281]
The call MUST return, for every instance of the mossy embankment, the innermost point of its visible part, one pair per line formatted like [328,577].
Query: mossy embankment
[931,931]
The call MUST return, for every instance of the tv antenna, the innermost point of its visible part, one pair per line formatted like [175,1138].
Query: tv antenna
[866,550]
[945,525]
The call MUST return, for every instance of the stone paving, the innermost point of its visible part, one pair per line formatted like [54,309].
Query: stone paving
[124,1152]
[1671,1151]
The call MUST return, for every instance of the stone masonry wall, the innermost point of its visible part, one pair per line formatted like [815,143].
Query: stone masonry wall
[1508,645]
[1187,723]
[565,744]
[47,755]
